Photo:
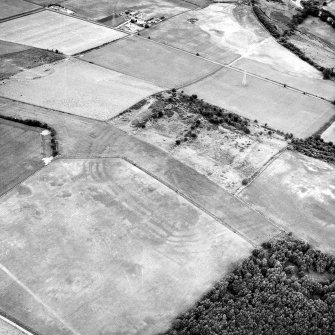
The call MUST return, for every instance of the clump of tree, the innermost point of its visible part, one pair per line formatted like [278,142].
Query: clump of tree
[38,124]
[271,292]
[315,146]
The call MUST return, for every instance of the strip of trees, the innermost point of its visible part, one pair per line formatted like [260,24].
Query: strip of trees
[38,124]
[272,292]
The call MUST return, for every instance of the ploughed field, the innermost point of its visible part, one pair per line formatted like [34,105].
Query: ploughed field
[54,31]
[101,240]
[77,87]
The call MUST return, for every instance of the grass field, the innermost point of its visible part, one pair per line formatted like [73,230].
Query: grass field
[280,108]
[50,30]
[110,249]
[14,7]
[20,152]
[98,9]
[158,64]
[298,192]
[314,85]
[79,88]
[16,57]
[329,134]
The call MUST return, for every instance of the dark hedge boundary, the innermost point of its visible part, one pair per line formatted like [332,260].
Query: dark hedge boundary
[270,294]
[35,123]
[316,147]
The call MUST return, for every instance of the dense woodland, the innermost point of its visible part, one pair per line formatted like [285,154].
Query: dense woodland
[39,124]
[316,147]
[286,287]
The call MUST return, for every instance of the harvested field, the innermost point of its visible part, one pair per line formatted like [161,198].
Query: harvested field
[329,134]
[110,249]
[153,62]
[99,9]
[14,7]
[225,155]
[66,34]
[79,88]
[298,192]
[20,151]
[217,32]
[316,85]
[279,107]
[16,57]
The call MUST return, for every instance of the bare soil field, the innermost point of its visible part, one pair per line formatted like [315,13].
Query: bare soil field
[14,7]
[298,192]
[225,155]
[153,62]
[313,85]
[110,249]
[15,58]
[64,33]
[20,151]
[77,87]
[279,107]
[99,9]
[220,32]
[329,134]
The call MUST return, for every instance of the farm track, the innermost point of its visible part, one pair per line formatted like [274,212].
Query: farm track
[16,324]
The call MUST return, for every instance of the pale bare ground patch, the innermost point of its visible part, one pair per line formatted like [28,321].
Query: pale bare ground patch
[281,108]
[226,156]
[109,248]
[153,62]
[298,192]
[14,7]
[77,87]
[329,134]
[51,30]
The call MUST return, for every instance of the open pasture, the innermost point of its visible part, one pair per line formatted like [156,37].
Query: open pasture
[298,192]
[99,9]
[20,152]
[14,7]
[79,88]
[329,134]
[313,85]
[16,57]
[279,107]
[220,32]
[109,249]
[50,30]
[153,62]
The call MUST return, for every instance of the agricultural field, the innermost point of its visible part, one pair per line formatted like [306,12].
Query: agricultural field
[15,58]
[20,151]
[220,32]
[329,134]
[298,192]
[100,240]
[77,87]
[222,153]
[290,112]
[8,329]
[153,62]
[65,34]
[313,85]
[99,9]
[14,7]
